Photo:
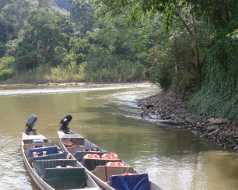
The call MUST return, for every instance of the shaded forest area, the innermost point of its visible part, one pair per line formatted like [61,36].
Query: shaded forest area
[186,46]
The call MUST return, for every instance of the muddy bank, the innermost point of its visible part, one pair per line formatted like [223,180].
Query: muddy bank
[168,109]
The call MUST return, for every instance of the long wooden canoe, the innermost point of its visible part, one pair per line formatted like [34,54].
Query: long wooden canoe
[63,137]
[30,142]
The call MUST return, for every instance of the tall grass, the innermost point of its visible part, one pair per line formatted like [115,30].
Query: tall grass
[71,72]
[121,72]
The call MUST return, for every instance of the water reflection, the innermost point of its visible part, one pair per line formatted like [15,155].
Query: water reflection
[174,159]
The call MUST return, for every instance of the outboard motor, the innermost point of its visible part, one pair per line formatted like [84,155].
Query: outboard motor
[64,123]
[30,122]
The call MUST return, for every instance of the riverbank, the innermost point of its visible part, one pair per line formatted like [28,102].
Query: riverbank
[33,85]
[170,109]
[63,88]
[4,86]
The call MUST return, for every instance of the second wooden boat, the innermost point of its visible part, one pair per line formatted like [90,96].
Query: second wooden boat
[108,171]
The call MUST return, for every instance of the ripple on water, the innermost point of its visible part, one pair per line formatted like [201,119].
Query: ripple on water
[171,174]
[13,174]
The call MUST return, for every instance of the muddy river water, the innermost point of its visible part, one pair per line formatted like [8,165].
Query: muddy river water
[108,116]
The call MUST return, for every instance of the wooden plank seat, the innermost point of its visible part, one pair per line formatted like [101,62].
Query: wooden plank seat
[80,154]
[40,150]
[41,165]
[34,145]
[74,149]
[91,164]
[89,146]
[78,141]
[66,178]
[73,142]
[60,155]
[61,173]
[79,144]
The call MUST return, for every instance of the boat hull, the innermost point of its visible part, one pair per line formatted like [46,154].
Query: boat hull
[100,182]
[36,178]
[40,182]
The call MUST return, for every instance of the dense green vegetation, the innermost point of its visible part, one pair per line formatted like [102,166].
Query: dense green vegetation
[188,46]
[70,40]
[196,52]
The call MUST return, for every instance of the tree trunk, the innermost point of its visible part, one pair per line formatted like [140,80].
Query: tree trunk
[192,31]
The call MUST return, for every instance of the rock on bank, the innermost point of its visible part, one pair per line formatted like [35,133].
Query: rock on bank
[169,108]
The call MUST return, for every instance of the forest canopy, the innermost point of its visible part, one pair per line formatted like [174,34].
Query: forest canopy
[186,46]
[68,41]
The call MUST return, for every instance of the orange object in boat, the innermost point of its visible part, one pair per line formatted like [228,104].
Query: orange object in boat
[116,164]
[110,156]
[91,156]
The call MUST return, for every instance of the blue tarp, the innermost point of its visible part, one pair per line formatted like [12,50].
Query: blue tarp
[130,182]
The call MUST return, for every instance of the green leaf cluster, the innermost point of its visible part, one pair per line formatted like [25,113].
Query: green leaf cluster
[197,53]
[48,41]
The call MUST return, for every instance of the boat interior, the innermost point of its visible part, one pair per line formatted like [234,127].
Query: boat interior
[100,162]
[55,166]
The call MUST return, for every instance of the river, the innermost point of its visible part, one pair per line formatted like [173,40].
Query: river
[107,114]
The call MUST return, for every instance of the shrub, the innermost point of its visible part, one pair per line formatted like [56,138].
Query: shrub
[6,67]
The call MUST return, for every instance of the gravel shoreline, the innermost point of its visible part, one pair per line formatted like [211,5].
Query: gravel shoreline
[169,109]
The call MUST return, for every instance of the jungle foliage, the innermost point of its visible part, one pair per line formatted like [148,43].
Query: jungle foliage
[71,40]
[187,46]
[197,53]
